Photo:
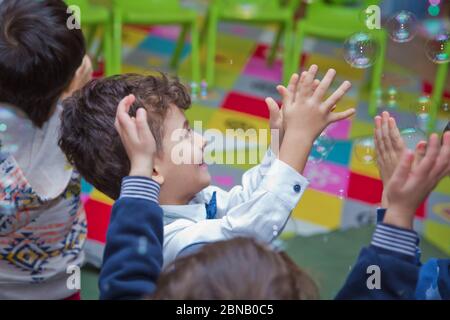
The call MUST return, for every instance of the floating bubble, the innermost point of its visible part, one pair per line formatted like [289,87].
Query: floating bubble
[7,208]
[204,89]
[360,50]
[321,148]
[13,123]
[402,27]
[392,96]
[364,149]
[412,136]
[422,110]
[437,49]
[194,90]
[445,107]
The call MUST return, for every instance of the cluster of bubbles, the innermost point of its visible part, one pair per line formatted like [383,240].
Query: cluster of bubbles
[360,49]
[321,148]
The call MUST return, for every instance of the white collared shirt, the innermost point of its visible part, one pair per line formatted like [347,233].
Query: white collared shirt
[258,208]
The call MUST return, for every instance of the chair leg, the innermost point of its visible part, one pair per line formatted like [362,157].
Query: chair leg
[377,73]
[275,45]
[91,30]
[195,55]
[297,47]
[438,91]
[179,47]
[108,53]
[117,41]
[287,53]
[211,45]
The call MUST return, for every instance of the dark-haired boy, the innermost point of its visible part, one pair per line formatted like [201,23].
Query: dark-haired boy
[42,222]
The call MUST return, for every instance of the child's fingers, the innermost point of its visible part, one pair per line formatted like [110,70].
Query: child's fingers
[419,152]
[441,166]
[143,130]
[337,116]
[315,84]
[430,156]
[305,88]
[337,95]
[395,135]
[403,169]
[286,95]
[125,124]
[324,84]
[292,86]
[274,110]
[385,132]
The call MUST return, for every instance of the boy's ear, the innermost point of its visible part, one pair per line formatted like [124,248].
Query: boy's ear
[157,175]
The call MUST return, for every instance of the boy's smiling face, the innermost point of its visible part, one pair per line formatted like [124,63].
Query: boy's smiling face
[181,164]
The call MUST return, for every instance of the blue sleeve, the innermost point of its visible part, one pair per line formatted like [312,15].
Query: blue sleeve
[387,269]
[133,255]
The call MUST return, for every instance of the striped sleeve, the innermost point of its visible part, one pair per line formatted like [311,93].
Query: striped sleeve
[140,188]
[395,239]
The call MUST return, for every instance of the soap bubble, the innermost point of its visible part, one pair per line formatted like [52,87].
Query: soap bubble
[321,148]
[13,123]
[412,136]
[360,50]
[445,108]
[7,208]
[422,110]
[402,27]
[364,150]
[437,49]
[392,96]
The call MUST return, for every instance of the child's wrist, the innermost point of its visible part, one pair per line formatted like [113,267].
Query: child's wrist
[299,134]
[399,217]
[141,171]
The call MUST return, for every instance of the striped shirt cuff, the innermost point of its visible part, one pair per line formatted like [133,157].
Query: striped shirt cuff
[140,188]
[395,239]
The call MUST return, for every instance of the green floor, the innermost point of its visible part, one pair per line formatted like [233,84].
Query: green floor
[327,258]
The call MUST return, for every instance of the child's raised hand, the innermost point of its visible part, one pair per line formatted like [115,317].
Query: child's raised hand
[410,185]
[136,137]
[389,146]
[277,121]
[306,111]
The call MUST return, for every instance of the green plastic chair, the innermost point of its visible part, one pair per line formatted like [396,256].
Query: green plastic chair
[157,12]
[438,91]
[92,17]
[338,19]
[250,11]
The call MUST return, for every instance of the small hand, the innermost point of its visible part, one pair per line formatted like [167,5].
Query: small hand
[409,185]
[136,137]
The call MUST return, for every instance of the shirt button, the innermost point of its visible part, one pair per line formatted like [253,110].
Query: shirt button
[297,188]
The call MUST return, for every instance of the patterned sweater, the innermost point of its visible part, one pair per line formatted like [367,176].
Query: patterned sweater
[42,222]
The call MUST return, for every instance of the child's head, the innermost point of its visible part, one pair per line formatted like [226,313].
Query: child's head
[90,141]
[39,55]
[240,268]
